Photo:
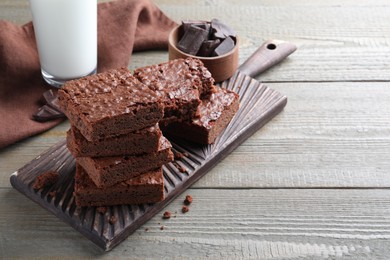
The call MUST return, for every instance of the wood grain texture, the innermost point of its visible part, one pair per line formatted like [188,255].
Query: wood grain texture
[220,225]
[334,132]
[329,135]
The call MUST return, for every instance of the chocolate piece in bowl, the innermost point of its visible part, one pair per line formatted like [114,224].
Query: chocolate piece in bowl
[208,47]
[215,113]
[186,24]
[180,84]
[225,46]
[107,171]
[138,142]
[192,39]
[219,30]
[146,188]
[108,104]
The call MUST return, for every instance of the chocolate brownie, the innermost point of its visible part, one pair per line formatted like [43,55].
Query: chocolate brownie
[137,142]
[107,171]
[215,114]
[180,83]
[147,188]
[110,103]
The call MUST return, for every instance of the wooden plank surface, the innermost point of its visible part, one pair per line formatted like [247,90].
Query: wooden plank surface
[220,225]
[313,183]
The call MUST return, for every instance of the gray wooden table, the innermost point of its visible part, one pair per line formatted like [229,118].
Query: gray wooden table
[312,183]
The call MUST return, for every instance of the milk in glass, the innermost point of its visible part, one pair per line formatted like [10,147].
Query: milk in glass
[66,36]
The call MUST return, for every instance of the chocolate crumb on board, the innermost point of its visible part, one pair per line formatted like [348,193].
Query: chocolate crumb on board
[166,215]
[179,155]
[53,193]
[185,209]
[162,228]
[46,179]
[112,220]
[179,167]
[188,200]
[146,229]
[101,210]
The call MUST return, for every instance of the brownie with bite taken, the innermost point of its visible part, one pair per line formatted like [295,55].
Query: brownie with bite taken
[180,83]
[214,114]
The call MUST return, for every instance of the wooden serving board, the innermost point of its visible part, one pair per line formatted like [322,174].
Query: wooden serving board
[259,104]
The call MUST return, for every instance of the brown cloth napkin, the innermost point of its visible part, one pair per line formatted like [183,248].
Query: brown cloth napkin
[124,26]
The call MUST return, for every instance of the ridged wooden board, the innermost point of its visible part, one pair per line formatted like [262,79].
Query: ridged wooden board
[259,104]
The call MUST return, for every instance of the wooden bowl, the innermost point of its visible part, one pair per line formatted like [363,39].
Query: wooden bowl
[221,67]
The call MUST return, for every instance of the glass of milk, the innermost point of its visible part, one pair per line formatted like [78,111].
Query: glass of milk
[66,36]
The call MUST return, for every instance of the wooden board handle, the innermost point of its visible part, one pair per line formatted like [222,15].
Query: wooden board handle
[267,55]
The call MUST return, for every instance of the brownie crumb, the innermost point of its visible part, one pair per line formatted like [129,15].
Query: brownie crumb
[146,229]
[185,209]
[188,200]
[101,210]
[112,220]
[162,228]
[179,155]
[179,167]
[167,215]
[46,179]
[53,193]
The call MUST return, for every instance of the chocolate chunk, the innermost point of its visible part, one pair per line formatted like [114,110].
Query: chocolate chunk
[225,46]
[46,113]
[220,30]
[207,48]
[50,110]
[192,40]
[186,24]
[51,99]
[49,96]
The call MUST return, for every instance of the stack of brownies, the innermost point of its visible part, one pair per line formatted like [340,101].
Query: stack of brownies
[116,118]
[115,138]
